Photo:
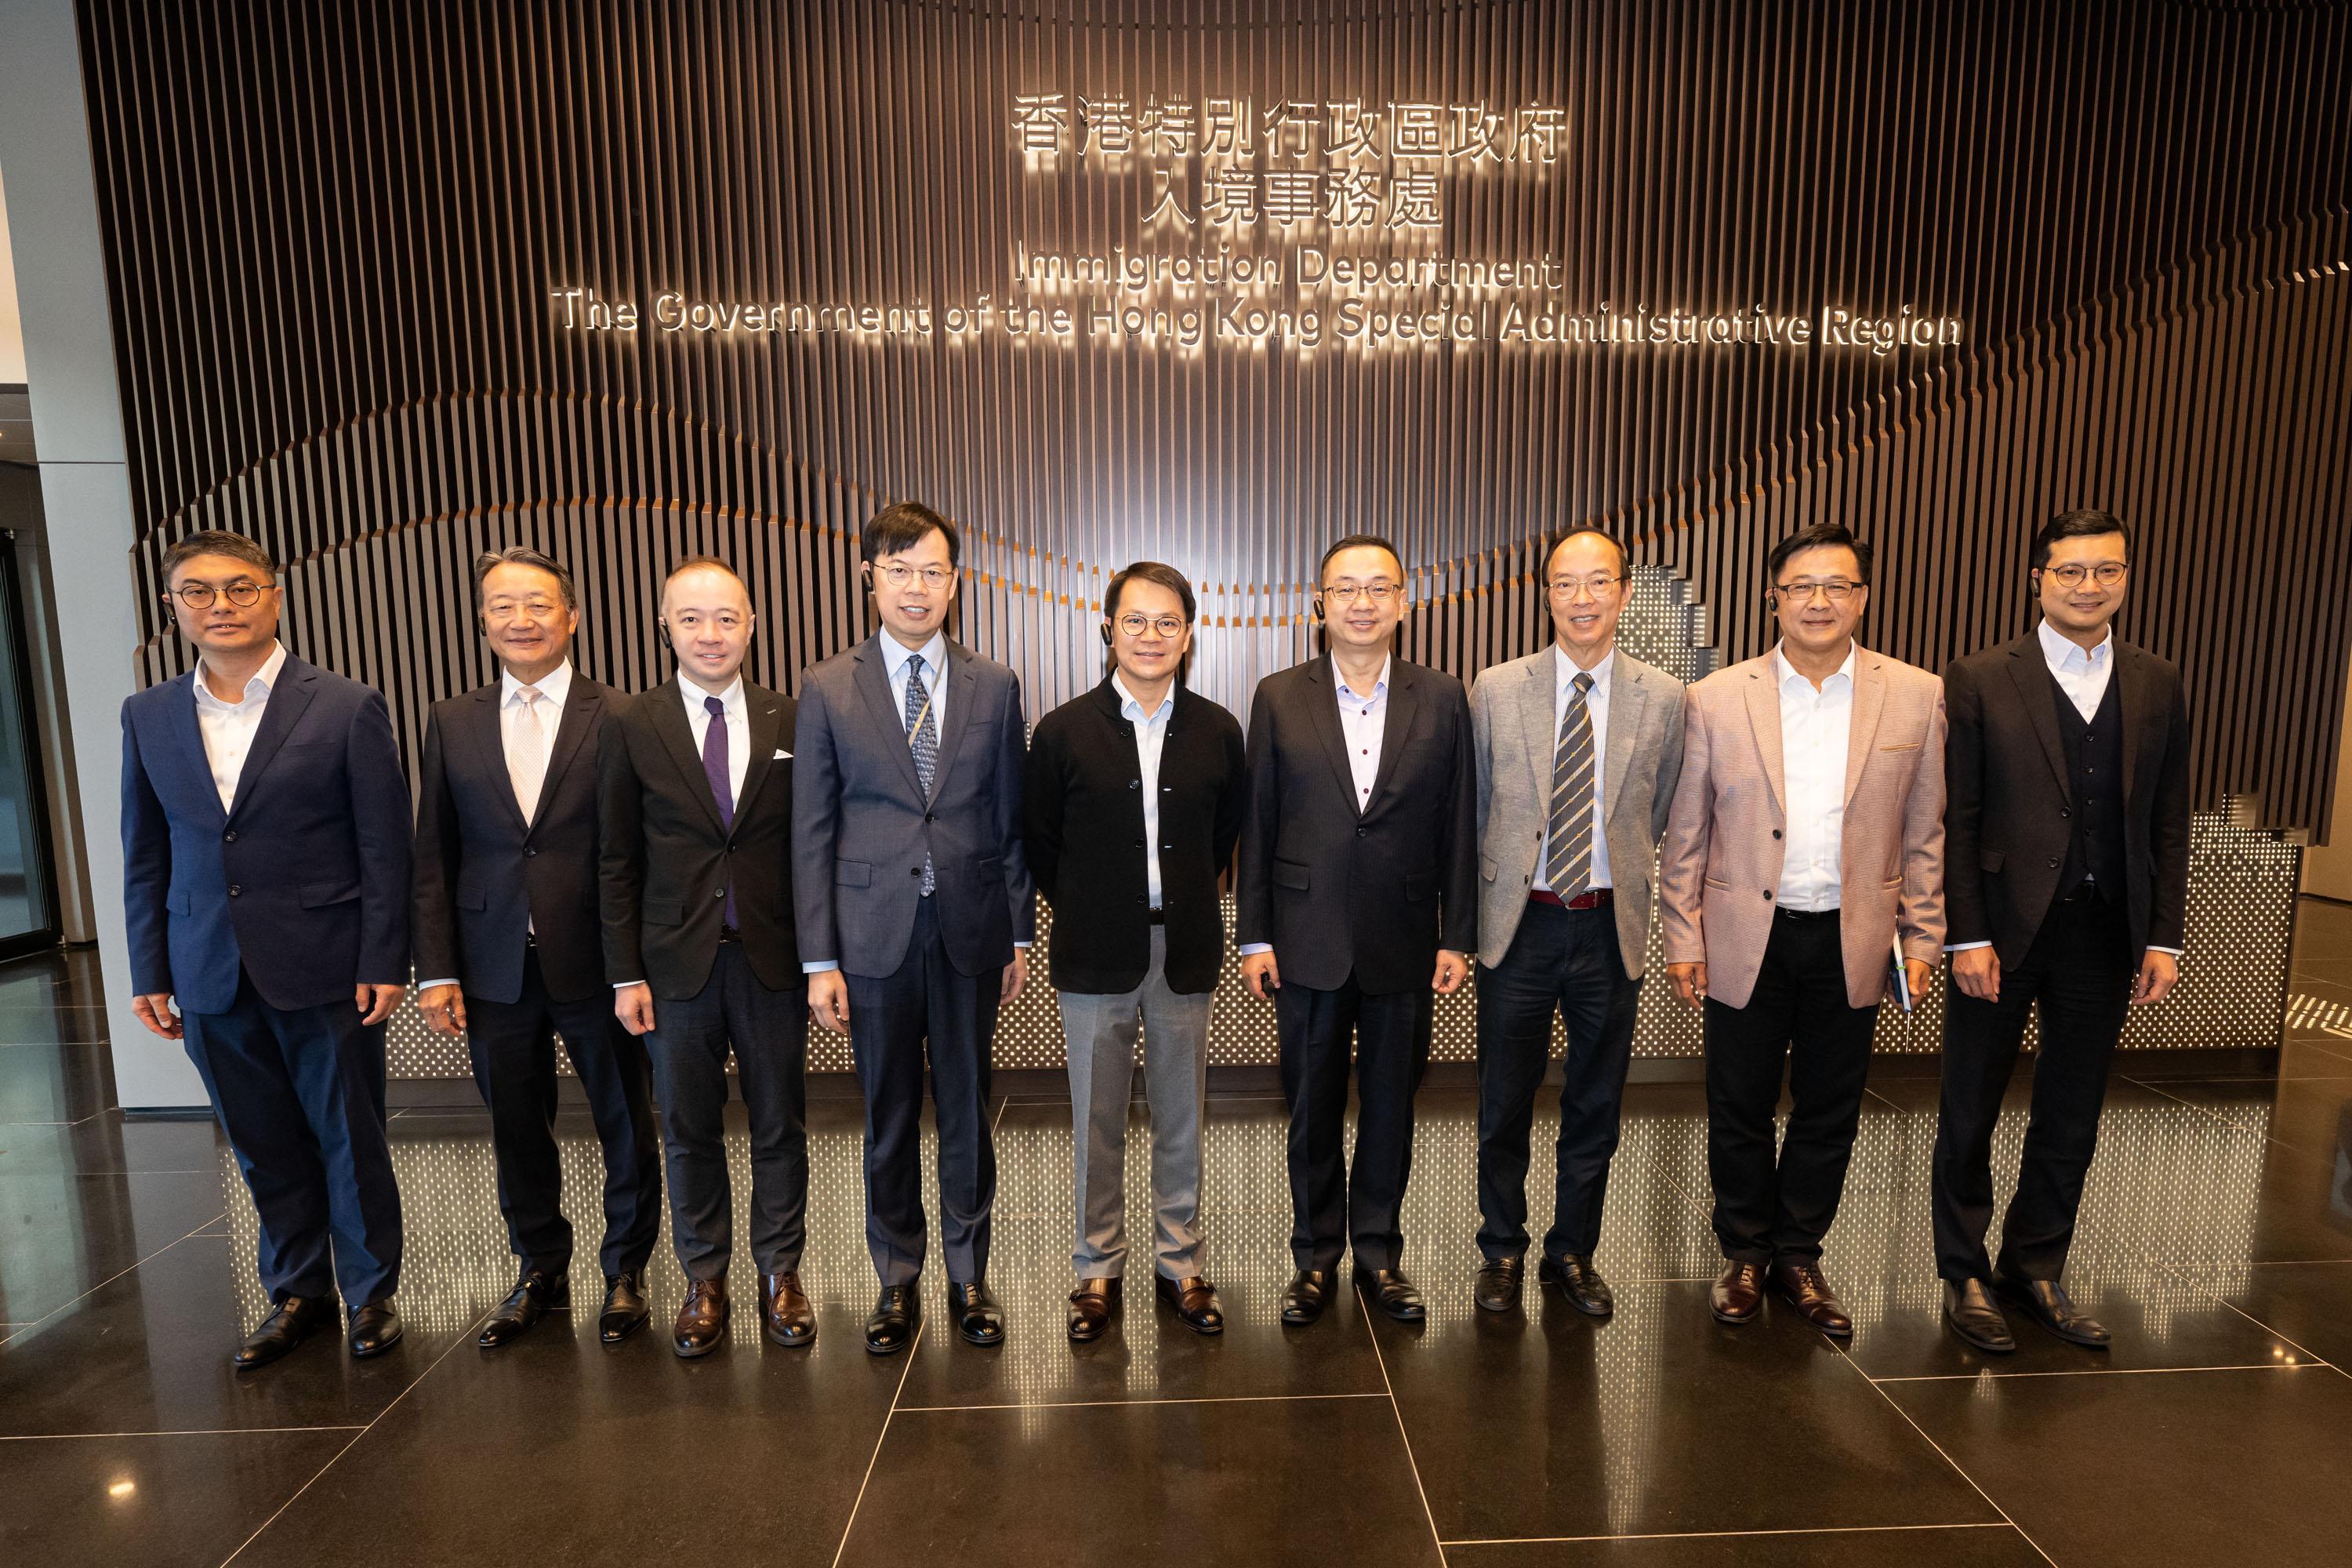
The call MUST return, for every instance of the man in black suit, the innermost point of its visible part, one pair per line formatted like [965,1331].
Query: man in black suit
[694,792]
[2066,878]
[506,936]
[1358,876]
[1134,805]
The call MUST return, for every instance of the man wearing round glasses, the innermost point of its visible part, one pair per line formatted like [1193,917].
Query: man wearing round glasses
[1133,806]
[266,890]
[2067,830]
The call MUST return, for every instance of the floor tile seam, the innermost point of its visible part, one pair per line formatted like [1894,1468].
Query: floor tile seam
[1122,1404]
[2205,1290]
[2094,1372]
[74,1301]
[176,1432]
[1364,1309]
[2157,1085]
[1730,1535]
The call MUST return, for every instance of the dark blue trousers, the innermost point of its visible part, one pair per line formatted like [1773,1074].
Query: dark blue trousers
[300,1095]
[891,1021]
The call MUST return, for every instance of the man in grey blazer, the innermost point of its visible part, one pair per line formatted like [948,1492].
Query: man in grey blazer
[1577,748]
[915,906]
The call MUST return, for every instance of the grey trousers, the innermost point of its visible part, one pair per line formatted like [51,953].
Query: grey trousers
[1100,1034]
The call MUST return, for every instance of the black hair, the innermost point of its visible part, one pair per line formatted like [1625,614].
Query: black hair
[1818,536]
[901,526]
[216,541]
[1357,541]
[490,561]
[1157,572]
[2086,523]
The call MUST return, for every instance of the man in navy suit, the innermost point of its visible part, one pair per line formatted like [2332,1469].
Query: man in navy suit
[916,907]
[265,888]
[509,950]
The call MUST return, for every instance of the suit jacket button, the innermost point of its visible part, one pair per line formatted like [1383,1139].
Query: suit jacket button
[530,850]
[2062,811]
[929,816]
[2054,862]
[914,871]
[1135,784]
[230,837]
[1138,898]
[1359,833]
[719,893]
[234,889]
[1138,844]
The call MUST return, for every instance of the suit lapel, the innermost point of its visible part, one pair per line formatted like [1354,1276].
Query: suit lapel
[872,679]
[1538,697]
[1323,686]
[297,684]
[2132,697]
[962,697]
[1627,696]
[1869,700]
[668,718]
[192,738]
[763,730]
[1764,718]
[579,713]
[2028,672]
[1396,726]
[489,740]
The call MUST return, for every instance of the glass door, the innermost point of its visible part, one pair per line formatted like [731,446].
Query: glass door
[28,907]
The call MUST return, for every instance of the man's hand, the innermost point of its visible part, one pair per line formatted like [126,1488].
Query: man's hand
[1453,969]
[154,1010]
[1016,975]
[1260,976]
[444,1009]
[2159,973]
[634,1005]
[1976,971]
[828,1000]
[1916,972]
[376,1003]
[1690,983]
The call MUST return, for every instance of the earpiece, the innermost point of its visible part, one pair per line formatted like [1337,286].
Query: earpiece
[1105,634]
[661,630]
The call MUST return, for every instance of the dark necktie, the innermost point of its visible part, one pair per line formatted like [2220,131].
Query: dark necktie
[715,769]
[923,736]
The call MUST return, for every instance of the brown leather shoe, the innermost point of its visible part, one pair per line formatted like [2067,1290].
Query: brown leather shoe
[785,1314]
[1811,1294]
[1737,1293]
[1195,1301]
[701,1318]
[1092,1306]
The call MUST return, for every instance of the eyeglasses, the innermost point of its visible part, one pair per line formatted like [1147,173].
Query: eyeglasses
[1379,592]
[2106,573]
[200,595]
[898,574]
[1135,624]
[507,609]
[1600,583]
[1837,590]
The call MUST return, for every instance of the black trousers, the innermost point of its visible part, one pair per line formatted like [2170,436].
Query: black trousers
[512,1045]
[300,1095]
[928,1003]
[1330,1208]
[1769,1211]
[2079,973]
[769,1032]
[1568,958]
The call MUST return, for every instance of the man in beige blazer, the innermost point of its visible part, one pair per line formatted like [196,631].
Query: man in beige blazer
[1578,748]
[1806,838]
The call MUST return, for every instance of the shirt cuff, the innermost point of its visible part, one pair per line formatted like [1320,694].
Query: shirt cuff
[2156,947]
[624,984]
[820,967]
[1248,948]
[1024,946]
[1964,946]
[429,984]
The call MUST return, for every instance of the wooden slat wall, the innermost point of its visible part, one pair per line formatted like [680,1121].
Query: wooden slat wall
[331,231]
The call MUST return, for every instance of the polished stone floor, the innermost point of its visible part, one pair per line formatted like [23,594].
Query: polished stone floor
[2216,1242]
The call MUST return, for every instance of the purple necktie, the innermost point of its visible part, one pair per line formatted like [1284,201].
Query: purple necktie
[714,768]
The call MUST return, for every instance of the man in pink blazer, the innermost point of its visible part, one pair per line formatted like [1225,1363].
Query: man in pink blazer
[1807,837]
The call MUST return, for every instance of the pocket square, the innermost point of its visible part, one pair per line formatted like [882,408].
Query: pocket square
[781,756]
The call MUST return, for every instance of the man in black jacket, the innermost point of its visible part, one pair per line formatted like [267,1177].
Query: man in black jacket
[1358,876]
[506,934]
[1133,806]
[2066,875]
[694,789]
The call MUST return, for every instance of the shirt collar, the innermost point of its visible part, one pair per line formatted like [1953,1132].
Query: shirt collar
[554,686]
[1783,672]
[2065,652]
[895,654]
[1129,708]
[1379,686]
[1565,670]
[264,679]
[732,699]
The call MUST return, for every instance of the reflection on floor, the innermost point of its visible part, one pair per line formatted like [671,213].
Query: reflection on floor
[2216,1242]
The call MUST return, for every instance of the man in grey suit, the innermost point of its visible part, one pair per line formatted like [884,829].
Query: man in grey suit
[915,904]
[1577,748]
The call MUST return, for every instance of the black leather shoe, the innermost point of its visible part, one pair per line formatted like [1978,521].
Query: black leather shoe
[1392,1293]
[1801,1283]
[626,1308]
[1497,1286]
[1579,1282]
[1303,1298]
[1737,1294]
[701,1320]
[376,1329]
[978,1317]
[890,1327]
[1195,1301]
[2046,1302]
[785,1315]
[1093,1304]
[535,1295]
[290,1322]
[1969,1308]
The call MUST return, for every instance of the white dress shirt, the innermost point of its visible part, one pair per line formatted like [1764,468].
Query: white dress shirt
[228,728]
[699,720]
[1363,720]
[1815,727]
[896,657]
[1151,739]
[526,740]
[1596,707]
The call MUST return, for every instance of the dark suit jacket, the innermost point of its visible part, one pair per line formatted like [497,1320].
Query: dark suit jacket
[304,885]
[862,825]
[666,857]
[1084,812]
[2007,812]
[1377,894]
[484,875]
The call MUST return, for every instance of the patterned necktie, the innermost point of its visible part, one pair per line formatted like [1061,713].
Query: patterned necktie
[923,737]
[527,756]
[722,785]
[1568,842]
